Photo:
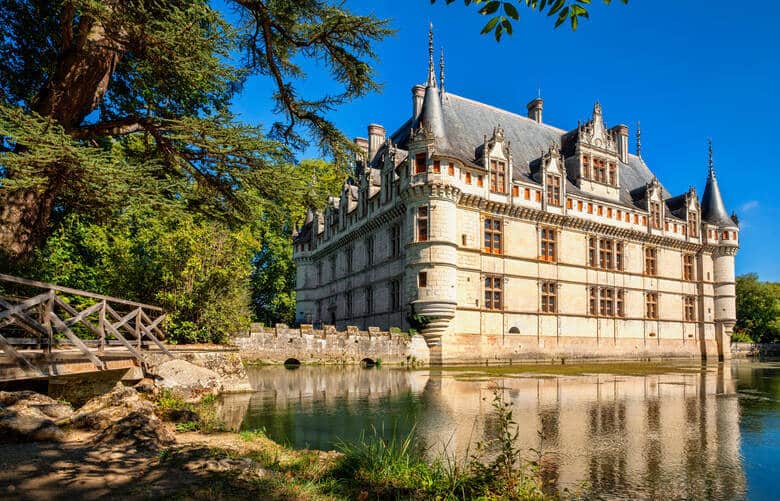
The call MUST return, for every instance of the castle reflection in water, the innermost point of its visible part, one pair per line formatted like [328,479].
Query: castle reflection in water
[657,436]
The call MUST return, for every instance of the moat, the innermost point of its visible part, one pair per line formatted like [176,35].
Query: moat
[634,431]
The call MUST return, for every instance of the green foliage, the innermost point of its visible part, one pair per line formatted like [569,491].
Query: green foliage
[196,269]
[503,14]
[200,416]
[758,309]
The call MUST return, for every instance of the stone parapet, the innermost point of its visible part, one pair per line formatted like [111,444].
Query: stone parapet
[308,345]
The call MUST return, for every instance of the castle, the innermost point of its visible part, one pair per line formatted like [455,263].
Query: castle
[499,236]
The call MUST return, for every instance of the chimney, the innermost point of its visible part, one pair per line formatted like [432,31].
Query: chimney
[535,109]
[418,93]
[376,136]
[621,138]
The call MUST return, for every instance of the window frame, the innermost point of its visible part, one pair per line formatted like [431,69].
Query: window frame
[497,176]
[651,305]
[420,167]
[651,261]
[422,223]
[548,244]
[492,230]
[493,292]
[549,297]
[553,188]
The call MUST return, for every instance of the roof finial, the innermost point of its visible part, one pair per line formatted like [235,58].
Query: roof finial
[441,69]
[711,163]
[431,71]
[638,138]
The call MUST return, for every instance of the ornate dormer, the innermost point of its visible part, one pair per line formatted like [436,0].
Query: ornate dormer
[593,156]
[495,155]
[553,177]
[693,212]
[655,204]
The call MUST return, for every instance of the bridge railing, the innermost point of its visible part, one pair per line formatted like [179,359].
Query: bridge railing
[43,317]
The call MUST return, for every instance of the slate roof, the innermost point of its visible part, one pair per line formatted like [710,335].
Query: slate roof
[713,210]
[464,123]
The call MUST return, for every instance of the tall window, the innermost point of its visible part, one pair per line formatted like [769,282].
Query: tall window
[422,279]
[436,167]
[651,305]
[586,167]
[422,224]
[549,251]
[606,302]
[593,304]
[651,261]
[605,253]
[690,308]
[592,252]
[419,163]
[612,174]
[370,250]
[493,236]
[333,267]
[549,297]
[395,295]
[369,299]
[493,292]
[497,176]
[599,170]
[348,301]
[620,303]
[693,224]
[349,252]
[553,190]
[655,215]
[688,260]
[395,240]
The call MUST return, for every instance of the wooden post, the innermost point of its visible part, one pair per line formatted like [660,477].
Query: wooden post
[138,327]
[48,309]
[102,327]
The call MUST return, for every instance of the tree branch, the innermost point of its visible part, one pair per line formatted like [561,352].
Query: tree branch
[119,127]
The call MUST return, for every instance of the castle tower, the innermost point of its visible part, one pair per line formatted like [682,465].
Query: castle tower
[431,212]
[725,244]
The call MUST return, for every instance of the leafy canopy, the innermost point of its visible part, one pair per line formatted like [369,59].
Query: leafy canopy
[504,14]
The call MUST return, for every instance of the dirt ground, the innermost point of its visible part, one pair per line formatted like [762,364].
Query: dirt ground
[215,466]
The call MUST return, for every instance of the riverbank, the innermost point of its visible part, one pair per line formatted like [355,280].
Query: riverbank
[127,444]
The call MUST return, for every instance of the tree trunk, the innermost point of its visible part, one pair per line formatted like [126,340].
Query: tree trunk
[74,90]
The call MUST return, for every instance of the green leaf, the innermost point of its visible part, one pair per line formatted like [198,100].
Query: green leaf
[511,11]
[490,8]
[489,26]
[499,32]
[507,26]
[562,17]
[556,7]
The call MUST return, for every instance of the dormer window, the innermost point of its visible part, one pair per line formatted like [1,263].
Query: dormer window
[586,167]
[693,224]
[419,163]
[553,190]
[497,176]
[599,170]
[612,174]
[655,215]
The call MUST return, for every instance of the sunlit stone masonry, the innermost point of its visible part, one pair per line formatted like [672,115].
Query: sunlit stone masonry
[502,237]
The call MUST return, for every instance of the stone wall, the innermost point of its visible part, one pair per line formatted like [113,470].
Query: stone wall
[226,362]
[329,346]
[755,349]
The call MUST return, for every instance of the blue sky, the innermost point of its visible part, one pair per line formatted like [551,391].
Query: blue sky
[687,69]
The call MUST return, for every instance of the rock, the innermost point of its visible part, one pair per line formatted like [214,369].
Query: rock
[27,424]
[146,385]
[141,430]
[103,411]
[47,405]
[188,380]
[26,416]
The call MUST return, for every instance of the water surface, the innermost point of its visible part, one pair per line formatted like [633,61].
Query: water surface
[693,432]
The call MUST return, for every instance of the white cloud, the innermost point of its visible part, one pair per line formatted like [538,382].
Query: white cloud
[748,206]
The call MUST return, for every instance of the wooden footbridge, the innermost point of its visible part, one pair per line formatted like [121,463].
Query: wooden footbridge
[47,330]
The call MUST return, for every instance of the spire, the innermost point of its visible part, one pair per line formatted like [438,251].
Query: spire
[713,210]
[431,70]
[638,139]
[441,70]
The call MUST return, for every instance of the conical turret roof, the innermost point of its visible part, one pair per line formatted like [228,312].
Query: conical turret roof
[713,210]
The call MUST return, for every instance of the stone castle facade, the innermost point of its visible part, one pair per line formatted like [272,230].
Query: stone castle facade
[499,236]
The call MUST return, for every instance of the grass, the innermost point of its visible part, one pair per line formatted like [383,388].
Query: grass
[200,416]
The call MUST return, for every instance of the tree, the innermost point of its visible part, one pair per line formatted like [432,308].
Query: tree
[504,14]
[758,309]
[106,101]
